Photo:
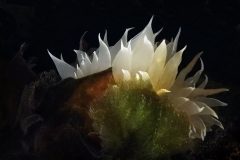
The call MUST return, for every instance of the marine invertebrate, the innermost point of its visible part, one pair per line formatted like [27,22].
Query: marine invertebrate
[141,68]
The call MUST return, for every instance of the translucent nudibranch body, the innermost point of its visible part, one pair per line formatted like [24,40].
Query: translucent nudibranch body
[141,59]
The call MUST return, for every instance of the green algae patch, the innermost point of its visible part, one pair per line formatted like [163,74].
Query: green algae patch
[133,122]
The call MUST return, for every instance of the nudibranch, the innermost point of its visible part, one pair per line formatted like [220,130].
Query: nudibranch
[141,61]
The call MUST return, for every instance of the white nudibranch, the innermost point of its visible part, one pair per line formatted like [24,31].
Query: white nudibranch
[141,58]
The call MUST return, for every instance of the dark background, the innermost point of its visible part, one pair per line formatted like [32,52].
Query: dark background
[212,26]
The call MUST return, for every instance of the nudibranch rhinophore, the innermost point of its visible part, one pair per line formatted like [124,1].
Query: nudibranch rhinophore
[146,76]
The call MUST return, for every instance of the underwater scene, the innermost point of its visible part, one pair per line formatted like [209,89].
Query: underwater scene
[122,80]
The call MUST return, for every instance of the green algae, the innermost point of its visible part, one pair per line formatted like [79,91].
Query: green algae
[133,122]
